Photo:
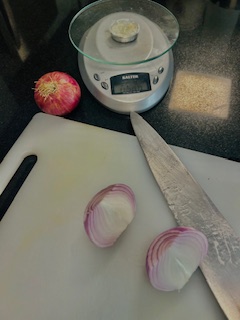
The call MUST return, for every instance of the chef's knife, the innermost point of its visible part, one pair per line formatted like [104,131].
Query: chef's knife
[192,207]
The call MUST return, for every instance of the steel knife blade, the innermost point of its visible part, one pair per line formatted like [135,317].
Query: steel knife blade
[192,207]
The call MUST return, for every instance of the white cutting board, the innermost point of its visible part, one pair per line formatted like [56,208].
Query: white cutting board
[49,270]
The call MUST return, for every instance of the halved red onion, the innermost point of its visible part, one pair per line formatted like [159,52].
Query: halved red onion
[173,257]
[109,213]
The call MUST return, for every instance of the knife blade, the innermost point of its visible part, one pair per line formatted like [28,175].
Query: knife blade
[192,207]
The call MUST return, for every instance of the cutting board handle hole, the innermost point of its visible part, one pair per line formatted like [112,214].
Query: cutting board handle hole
[9,193]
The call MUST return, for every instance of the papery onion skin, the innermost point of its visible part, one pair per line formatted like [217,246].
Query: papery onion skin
[173,257]
[109,213]
[57,93]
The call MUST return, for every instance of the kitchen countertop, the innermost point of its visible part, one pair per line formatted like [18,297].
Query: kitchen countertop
[34,40]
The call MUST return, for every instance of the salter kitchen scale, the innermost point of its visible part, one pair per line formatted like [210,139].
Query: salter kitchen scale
[124,52]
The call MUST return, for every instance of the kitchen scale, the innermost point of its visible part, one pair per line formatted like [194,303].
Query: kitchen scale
[124,52]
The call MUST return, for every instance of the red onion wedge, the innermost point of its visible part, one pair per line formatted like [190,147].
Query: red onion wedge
[57,93]
[173,257]
[109,213]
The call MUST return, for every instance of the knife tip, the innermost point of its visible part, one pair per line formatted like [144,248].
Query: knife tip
[133,116]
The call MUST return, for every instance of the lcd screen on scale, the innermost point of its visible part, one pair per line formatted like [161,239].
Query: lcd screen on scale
[130,83]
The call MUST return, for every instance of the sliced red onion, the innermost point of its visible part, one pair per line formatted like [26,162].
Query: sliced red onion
[109,213]
[173,257]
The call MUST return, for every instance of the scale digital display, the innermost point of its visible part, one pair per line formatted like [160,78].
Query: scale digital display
[129,83]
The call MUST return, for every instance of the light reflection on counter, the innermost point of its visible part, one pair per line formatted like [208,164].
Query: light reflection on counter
[201,93]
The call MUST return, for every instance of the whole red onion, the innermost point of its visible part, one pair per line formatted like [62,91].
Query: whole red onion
[57,93]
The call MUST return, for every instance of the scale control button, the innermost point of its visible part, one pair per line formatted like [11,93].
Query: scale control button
[155,80]
[160,70]
[96,76]
[104,85]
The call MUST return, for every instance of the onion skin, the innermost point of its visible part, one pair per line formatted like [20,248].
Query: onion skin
[109,213]
[173,257]
[57,93]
